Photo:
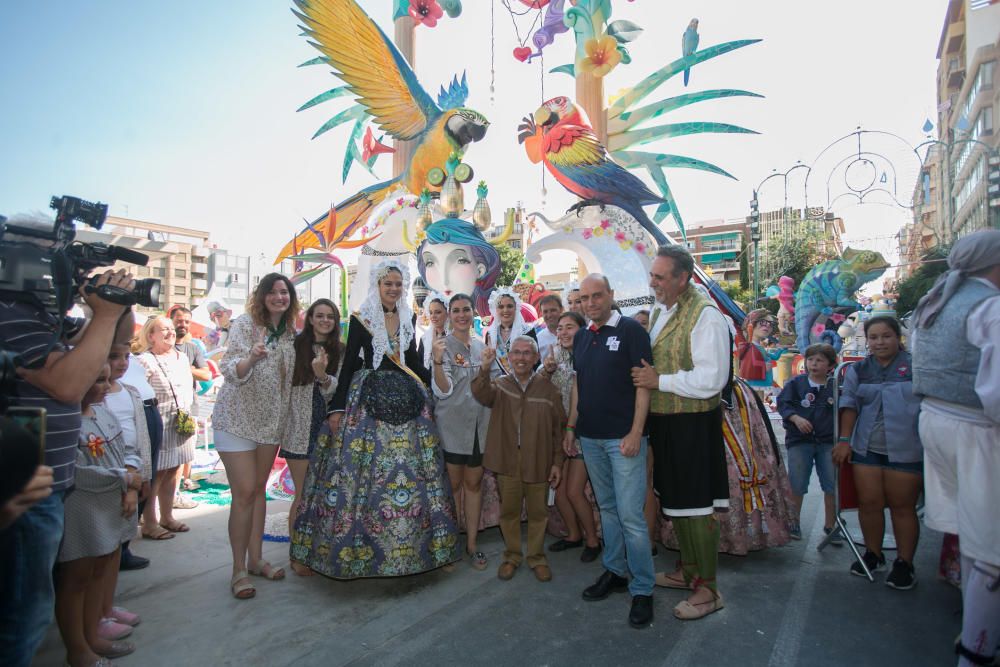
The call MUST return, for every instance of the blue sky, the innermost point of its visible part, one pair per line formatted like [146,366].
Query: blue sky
[184,112]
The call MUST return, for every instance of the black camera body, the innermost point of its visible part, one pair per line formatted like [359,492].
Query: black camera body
[48,267]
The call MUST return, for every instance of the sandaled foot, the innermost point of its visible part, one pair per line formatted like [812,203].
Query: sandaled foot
[690,611]
[181,503]
[190,485]
[300,569]
[672,580]
[175,526]
[241,587]
[478,560]
[157,532]
[267,571]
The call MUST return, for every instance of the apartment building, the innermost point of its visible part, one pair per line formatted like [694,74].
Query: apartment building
[716,246]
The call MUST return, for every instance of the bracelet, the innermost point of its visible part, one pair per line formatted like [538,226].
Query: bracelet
[843,439]
[569,428]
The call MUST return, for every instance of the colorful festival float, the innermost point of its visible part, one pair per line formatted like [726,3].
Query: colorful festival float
[589,148]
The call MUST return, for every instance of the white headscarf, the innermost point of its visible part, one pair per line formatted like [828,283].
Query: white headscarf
[570,287]
[428,337]
[374,318]
[518,328]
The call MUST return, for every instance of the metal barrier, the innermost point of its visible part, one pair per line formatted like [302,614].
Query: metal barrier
[839,526]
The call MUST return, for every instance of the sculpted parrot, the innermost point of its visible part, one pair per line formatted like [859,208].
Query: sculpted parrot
[385,85]
[558,136]
[689,44]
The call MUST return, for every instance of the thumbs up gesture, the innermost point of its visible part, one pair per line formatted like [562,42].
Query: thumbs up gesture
[259,350]
[645,376]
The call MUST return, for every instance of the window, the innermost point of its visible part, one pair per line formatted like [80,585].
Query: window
[160,272]
[180,289]
[142,271]
[181,257]
[515,244]
[180,273]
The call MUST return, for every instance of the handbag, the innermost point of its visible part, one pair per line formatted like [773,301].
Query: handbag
[184,423]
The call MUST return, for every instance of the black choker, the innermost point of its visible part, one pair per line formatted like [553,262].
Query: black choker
[386,310]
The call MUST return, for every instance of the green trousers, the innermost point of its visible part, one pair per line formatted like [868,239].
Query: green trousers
[698,539]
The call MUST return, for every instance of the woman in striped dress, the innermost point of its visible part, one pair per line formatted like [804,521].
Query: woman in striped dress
[169,373]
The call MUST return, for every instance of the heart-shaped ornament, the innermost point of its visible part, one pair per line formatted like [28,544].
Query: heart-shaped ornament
[522,53]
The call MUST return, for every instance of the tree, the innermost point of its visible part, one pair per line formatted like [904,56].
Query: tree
[744,267]
[793,257]
[741,295]
[910,290]
[511,260]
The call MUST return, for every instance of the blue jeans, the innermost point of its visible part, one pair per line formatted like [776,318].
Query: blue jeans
[801,457]
[28,551]
[619,484]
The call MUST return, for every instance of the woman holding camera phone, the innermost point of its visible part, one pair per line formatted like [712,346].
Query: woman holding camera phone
[249,419]
[169,373]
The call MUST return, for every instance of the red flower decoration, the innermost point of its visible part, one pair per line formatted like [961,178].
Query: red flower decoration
[640,247]
[605,223]
[426,11]
[619,236]
[95,444]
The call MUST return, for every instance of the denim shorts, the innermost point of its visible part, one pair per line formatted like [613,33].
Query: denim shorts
[801,457]
[882,461]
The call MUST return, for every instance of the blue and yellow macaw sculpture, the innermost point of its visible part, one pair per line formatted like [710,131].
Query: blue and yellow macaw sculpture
[377,74]
[689,44]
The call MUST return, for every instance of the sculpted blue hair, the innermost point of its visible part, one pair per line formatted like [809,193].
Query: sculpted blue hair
[460,232]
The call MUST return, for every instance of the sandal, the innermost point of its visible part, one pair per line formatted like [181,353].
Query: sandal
[665,580]
[478,561]
[161,534]
[181,503]
[267,571]
[175,526]
[691,611]
[243,591]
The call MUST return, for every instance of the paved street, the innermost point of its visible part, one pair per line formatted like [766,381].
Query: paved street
[786,606]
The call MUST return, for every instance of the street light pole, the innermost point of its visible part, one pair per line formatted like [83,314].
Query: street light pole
[755,238]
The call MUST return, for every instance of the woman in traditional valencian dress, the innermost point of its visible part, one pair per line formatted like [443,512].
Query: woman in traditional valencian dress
[507,324]
[377,501]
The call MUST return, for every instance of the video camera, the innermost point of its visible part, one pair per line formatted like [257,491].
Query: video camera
[49,266]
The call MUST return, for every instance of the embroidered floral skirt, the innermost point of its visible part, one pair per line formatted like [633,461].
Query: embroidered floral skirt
[376,501]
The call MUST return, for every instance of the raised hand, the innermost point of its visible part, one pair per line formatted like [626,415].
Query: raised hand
[259,350]
[489,356]
[438,348]
[319,363]
[550,365]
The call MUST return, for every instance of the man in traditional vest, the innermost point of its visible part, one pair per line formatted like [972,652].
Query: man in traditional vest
[956,370]
[691,361]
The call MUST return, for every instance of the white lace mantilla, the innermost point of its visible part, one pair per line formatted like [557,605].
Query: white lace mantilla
[374,318]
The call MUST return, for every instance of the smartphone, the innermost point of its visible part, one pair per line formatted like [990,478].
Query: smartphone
[33,420]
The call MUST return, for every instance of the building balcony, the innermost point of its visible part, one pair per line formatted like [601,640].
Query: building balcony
[199,267]
[199,284]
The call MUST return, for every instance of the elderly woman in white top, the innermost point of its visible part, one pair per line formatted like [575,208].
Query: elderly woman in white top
[249,418]
[169,373]
[461,419]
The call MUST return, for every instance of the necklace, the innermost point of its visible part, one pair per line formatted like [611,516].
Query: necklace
[388,311]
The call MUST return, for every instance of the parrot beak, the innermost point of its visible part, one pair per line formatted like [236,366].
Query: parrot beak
[544,117]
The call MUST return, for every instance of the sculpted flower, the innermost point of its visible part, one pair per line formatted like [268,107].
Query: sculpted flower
[426,11]
[602,56]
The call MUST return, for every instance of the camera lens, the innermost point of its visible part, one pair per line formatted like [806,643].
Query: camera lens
[147,292]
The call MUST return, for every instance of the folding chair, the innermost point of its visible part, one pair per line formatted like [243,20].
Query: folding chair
[845,496]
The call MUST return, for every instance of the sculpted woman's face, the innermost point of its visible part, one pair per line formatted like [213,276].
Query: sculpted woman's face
[451,268]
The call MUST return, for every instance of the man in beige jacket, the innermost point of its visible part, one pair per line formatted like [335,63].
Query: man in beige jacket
[523,448]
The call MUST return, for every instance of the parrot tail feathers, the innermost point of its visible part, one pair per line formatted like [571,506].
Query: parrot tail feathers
[687,76]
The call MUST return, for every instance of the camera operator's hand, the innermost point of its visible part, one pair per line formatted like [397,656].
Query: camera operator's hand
[39,487]
[102,307]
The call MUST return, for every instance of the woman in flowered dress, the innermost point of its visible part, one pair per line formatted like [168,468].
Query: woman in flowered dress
[377,501]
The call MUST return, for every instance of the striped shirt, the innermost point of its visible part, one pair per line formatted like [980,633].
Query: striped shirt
[27,330]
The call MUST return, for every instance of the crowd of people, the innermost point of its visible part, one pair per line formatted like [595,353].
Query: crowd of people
[387,437]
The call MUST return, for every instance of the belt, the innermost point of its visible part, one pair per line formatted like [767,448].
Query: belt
[150,402]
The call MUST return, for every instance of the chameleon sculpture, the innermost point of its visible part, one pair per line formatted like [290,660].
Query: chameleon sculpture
[831,285]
